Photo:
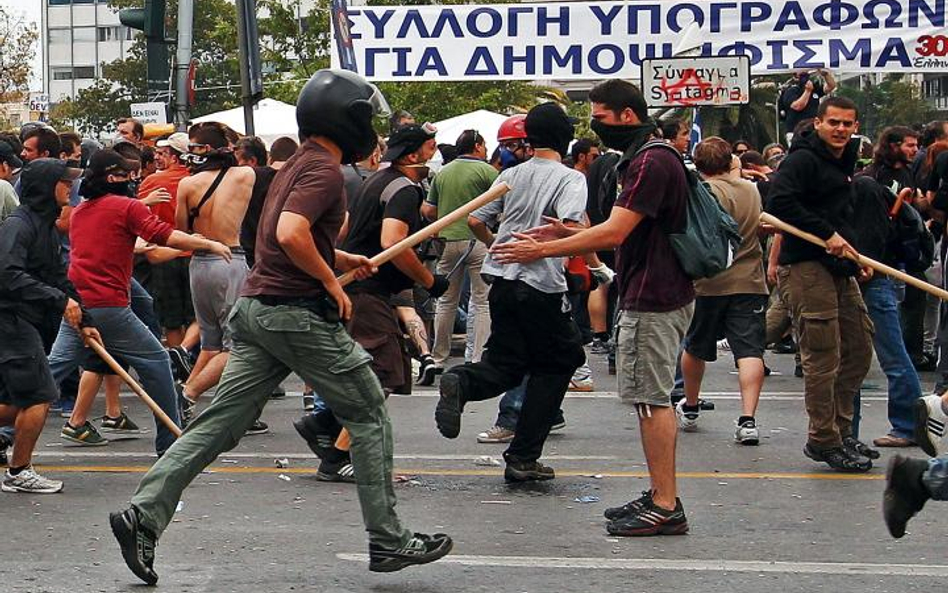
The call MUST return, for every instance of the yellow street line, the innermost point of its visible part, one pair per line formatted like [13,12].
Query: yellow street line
[137,469]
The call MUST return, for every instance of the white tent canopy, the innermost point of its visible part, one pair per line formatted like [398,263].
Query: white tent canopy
[485,122]
[272,119]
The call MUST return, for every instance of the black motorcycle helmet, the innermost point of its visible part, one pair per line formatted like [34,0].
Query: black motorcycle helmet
[340,105]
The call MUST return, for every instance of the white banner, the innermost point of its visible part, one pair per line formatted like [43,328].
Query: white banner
[690,82]
[596,40]
[150,113]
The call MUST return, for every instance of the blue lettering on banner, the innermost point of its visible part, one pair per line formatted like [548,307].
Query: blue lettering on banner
[544,20]
[861,51]
[894,10]
[513,14]
[935,15]
[805,45]
[697,15]
[401,55]
[431,60]
[605,18]
[595,63]
[447,18]
[830,14]
[370,53]
[496,22]
[776,47]
[741,49]
[482,63]
[754,12]
[636,55]
[379,20]
[792,15]
[412,18]
[894,51]
[572,58]
[353,13]
[716,9]
[655,24]
[528,59]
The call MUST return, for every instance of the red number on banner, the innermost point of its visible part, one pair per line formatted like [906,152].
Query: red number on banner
[929,45]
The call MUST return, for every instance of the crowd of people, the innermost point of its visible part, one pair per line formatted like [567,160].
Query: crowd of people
[207,261]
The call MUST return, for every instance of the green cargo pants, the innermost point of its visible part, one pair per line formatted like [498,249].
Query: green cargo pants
[269,343]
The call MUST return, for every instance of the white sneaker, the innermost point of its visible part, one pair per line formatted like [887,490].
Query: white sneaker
[747,433]
[584,385]
[723,345]
[930,425]
[30,482]
[687,421]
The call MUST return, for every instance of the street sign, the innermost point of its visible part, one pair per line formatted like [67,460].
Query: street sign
[150,113]
[693,82]
[39,102]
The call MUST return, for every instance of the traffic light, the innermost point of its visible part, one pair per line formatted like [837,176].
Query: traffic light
[151,21]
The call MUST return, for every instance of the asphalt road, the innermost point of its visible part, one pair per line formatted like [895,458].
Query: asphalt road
[762,518]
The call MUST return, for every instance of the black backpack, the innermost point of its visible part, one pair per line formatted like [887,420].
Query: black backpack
[915,246]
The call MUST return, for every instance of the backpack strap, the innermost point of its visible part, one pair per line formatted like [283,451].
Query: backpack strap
[395,186]
[193,213]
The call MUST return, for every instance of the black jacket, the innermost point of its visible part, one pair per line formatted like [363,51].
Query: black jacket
[813,191]
[877,234]
[33,282]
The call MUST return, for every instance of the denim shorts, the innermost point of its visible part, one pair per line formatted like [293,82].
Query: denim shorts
[647,345]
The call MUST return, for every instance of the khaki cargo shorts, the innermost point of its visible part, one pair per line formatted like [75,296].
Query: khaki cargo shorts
[647,346]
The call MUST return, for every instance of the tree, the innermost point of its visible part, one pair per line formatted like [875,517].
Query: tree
[895,101]
[17,48]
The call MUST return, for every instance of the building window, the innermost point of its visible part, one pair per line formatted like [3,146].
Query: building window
[83,34]
[83,1]
[83,72]
[62,73]
[60,36]
[59,2]
[111,33]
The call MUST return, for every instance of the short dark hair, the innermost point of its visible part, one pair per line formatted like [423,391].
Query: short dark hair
[618,95]
[671,127]
[137,128]
[581,146]
[933,132]
[282,149]
[467,141]
[713,156]
[13,139]
[838,102]
[47,140]
[752,157]
[148,156]
[744,142]
[68,142]
[252,147]
[129,152]
[803,125]
[211,133]
[449,152]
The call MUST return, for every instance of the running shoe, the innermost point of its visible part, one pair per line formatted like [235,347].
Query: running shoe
[85,435]
[497,434]
[558,424]
[420,549]
[121,425]
[930,424]
[582,385]
[180,363]
[650,519]
[185,406]
[4,445]
[137,543]
[527,471]
[428,370]
[336,471]
[905,494]
[861,449]
[839,459]
[628,508]
[687,419]
[309,401]
[599,347]
[29,482]
[258,427]
[747,433]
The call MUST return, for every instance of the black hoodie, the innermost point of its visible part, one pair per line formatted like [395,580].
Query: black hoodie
[813,191]
[33,281]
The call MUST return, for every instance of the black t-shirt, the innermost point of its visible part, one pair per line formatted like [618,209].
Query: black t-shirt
[939,172]
[385,194]
[248,228]
[794,117]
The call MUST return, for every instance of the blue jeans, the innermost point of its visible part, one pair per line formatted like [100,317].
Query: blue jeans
[508,411]
[143,305]
[904,386]
[124,335]
[935,478]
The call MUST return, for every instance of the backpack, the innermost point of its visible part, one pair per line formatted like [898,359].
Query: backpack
[915,245]
[784,100]
[711,237]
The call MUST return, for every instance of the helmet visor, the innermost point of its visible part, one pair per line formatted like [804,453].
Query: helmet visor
[378,102]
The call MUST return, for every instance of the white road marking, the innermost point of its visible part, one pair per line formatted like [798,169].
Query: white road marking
[833,568]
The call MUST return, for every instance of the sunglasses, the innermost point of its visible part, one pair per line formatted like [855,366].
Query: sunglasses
[429,128]
[198,148]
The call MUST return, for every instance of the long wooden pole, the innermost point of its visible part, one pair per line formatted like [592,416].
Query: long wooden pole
[139,391]
[432,229]
[862,260]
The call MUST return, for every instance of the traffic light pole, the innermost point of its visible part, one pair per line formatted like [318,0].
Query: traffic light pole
[183,64]
[251,79]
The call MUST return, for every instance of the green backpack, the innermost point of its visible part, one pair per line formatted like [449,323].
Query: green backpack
[711,237]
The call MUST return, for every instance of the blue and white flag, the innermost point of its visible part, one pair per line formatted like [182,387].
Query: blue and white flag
[696,129]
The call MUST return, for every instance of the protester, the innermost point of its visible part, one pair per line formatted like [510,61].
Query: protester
[9,163]
[802,99]
[130,130]
[40,142]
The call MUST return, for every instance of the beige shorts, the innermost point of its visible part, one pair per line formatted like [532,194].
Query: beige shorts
[647,346]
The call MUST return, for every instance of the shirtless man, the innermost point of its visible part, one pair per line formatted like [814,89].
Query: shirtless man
[212,203]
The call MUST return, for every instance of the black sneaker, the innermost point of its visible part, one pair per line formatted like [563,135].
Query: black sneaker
[839,459]
[258,427]
[420,549]
[278,392]
[905,495]
[861,449]
[448,412]
[428,371]
[650,519]
[628,508]
[180,363]
[320,432]
[527,471]
[4,445]
[185,406]
[138,544]
[336,471]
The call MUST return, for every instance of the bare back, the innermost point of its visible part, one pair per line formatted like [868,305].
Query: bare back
[221,216]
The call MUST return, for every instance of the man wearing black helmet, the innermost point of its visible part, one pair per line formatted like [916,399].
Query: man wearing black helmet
[289,319]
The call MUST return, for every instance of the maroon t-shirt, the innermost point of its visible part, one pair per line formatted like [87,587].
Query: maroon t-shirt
[309,184]
[650,277]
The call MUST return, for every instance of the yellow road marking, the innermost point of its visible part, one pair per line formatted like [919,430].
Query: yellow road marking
[137,469]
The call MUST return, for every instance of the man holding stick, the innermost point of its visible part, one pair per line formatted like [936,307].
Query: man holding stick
[289,319]
[814,192]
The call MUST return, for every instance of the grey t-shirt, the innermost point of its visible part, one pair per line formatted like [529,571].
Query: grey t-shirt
[8,199]
[539,187]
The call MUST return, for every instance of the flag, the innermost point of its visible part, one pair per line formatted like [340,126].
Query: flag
[696,128]
[340,22]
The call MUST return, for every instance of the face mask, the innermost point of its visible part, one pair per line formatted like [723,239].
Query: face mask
[621,137]
[509,158]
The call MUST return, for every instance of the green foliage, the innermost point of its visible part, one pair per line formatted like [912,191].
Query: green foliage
[17,48]
[895,101]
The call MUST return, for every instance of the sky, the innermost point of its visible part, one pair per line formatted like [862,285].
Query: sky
[30,10]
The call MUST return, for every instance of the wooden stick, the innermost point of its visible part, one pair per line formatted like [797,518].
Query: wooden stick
[432,229]
[862,260]
[117,368]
